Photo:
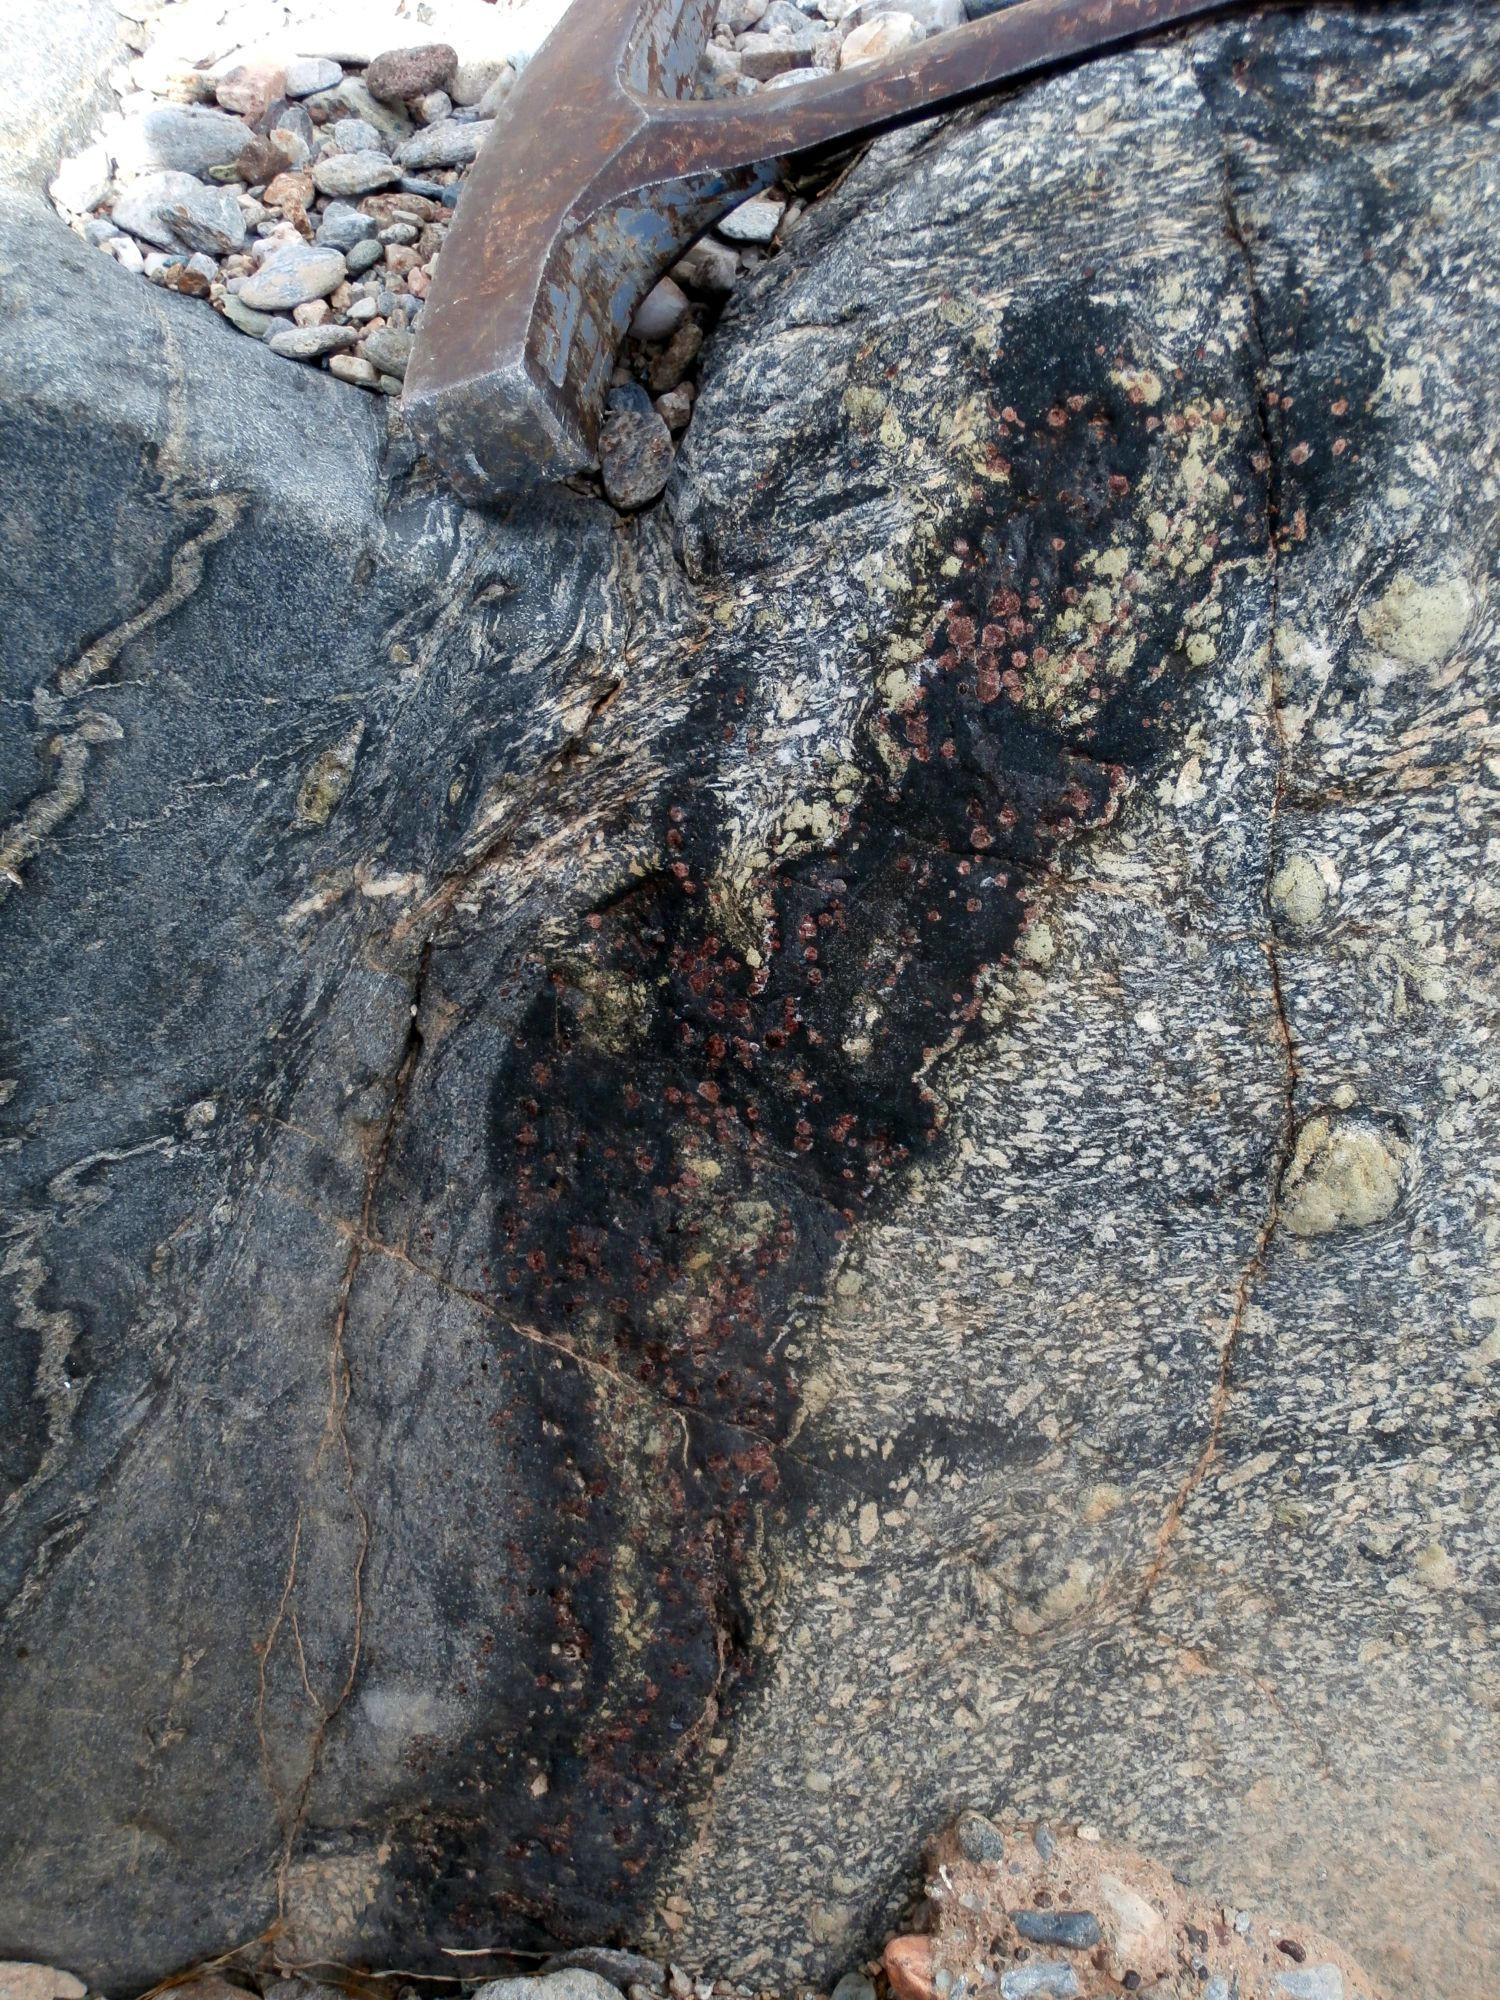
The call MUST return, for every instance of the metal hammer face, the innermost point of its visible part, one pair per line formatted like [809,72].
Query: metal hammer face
[601,171]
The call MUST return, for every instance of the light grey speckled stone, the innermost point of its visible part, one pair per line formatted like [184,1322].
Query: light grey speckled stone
[292,274]
[346,174]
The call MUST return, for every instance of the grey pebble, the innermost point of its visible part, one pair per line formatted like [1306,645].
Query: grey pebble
[362,256]
[635,456]
[1049,1977]
[256,324]
[451,143]
[350,99]
[179,138]
[99,228]
[573,1982]
[293,122]
[1312,1982]
[1217,1988]
[307,343]
[429,190]
[628,396]
[854,1986]
[354,173]
[291,275]
[356,135]
[390,350]
[979,1839]
[1042,1840]
[305,74]
[174,208]
[620,1968]
[754,221]
[1074,1930]
[343,226]
[81,180]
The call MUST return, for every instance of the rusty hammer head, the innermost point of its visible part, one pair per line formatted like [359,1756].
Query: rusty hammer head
[601,171]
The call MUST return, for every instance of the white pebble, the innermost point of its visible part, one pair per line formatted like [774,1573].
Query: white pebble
[660,312]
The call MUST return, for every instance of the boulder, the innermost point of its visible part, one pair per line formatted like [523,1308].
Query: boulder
[679,1192]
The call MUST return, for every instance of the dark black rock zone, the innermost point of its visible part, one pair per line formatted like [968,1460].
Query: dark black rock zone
[680,1139]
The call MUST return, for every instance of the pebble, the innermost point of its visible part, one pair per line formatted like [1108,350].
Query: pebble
[363,256]
[497,93]
[854,1986]
[179,138]
[433,108]
[355,135]
[81,180]
[448,144]
[350,99]
[572,1982]
[814,74]
[708,267]
[762,57]
[305,74]
[263,159]
[1074,1930]
[621,1968]
[1042,1840]
[354,173]
[307,343]
[754,221]
[635,456]
[887,35]
[126,252]
[932,16]
[908,1967]
[660,312]
[21,1980]
[257,325]
[471,81]
[250,89]
[390,350]
[176,208]
[350,368]
[401,74]
[979,1839]
[294,125]
[675,408]
[292,273]
[1050,1978]
[1312,1982]
[342,226]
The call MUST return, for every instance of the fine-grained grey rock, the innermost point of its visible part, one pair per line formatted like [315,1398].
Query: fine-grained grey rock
[175,208]
[449,143]
[681,1193]
[347,174]
[179,138]
[291,275]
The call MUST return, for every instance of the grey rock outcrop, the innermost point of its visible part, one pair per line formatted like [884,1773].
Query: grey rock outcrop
[682,1194]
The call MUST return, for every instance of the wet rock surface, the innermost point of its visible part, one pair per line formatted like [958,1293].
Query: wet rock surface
[675,1183]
